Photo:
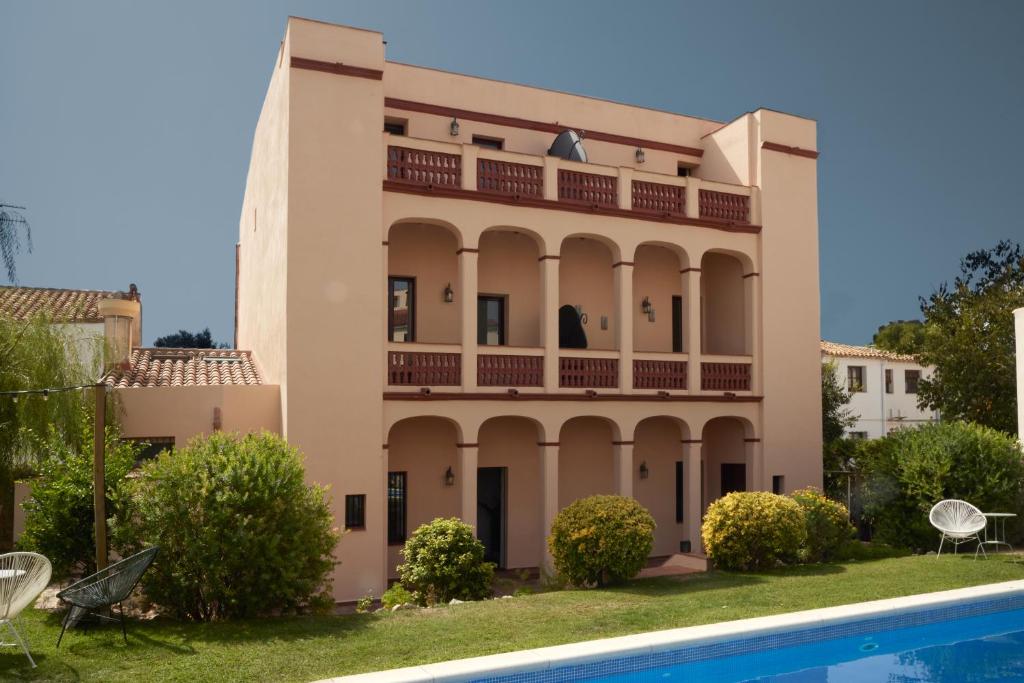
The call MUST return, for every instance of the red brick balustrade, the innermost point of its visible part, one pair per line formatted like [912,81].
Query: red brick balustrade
[424,369]
[725,376]
[588,189]
[422,167]
[659,374]
[507,178]
[656,198]
[493,370]
[588,373]
[724,206]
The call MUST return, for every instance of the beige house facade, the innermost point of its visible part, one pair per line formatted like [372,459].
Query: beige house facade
[457,317]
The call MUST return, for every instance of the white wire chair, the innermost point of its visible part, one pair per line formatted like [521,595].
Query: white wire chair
[959,522]
[23,576]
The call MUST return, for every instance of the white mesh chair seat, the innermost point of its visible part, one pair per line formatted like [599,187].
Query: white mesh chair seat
[959,522]
[23,576]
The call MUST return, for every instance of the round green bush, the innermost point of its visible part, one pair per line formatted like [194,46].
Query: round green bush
[910,470]
[828,525]
[601,540]
[444,560]
[240,532]
[755,530]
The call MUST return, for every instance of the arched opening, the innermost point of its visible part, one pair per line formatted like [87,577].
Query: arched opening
[727,467]
[659,479]
[421,451]
[509,494]
[586,282]
[723,310]
[585,459]
[423,284]
[657,300]
[509,301]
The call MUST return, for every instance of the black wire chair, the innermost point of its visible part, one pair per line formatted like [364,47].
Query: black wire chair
[103,589]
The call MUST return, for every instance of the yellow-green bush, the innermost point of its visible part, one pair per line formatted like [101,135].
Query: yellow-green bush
[601,540]
[753,530]
[828,525]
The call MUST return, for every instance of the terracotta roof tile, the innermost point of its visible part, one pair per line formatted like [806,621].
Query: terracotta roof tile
[160,367]
[849,351]
[63,305]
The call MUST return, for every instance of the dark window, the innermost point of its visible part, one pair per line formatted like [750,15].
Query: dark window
[394,127]
[355,511]
[734,477]
[855,378]
[491,143]
[397,499]
[679,491]
[152,446]
[888,381]
[677,324]
[401,309]
[910,380]
[858,435]
[682,171]
[490,320]
[778,484]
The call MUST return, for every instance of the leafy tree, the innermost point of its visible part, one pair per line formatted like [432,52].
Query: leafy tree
[34,354]
[12,224]
[835,416]
[900,336]
[183,339]
[970,339]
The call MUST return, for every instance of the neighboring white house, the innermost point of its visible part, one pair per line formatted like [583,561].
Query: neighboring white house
[882,386]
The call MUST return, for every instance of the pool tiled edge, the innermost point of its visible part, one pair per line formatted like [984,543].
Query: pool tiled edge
[675,646]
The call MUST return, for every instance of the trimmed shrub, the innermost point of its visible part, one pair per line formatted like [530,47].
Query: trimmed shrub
[601,540]
[444,560]
[910,470]
[755,530]
[240,532]
[828,525]
[59,511]
[395,596]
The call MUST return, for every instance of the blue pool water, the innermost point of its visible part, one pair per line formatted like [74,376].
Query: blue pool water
[986,647]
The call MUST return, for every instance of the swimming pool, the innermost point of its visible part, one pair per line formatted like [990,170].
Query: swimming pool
[969,634]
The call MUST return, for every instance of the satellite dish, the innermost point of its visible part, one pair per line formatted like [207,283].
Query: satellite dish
[568,145]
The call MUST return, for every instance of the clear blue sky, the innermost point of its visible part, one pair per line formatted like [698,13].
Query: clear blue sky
[125,127]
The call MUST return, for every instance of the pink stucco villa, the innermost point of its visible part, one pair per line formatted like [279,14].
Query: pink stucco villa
[464,297]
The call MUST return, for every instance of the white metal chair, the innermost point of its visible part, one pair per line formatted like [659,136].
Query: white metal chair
[959,522]
[23,576]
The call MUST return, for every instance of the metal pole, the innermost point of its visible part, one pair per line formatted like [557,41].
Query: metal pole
[99,477]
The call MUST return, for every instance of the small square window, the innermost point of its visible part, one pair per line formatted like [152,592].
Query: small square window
[394,126]
[778,484]
[860,436]
[682,171]
[490,143]
[355,511]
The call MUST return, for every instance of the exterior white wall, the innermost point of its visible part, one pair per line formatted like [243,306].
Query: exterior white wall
[880,413]
[88,340]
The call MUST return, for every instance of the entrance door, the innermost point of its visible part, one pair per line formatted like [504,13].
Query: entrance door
[490,512]
[490,320]
[734,477]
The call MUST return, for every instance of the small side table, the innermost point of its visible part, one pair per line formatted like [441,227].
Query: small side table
[998,536]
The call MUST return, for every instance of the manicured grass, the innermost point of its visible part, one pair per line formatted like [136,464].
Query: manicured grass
[310,648]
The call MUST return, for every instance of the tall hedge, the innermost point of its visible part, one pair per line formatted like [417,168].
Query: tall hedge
[240,532]
[910,470]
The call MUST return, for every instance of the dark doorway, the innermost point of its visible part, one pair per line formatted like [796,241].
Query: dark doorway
[490,512]
[677,324]
[490,320]
[734,477]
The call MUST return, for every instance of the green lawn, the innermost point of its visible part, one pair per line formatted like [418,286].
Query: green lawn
[309,648]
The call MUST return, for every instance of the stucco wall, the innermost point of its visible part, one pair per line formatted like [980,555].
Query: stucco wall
[508,266]
[723,316]
[584,459]
[586,279]
[427,253]
[656,276]
[878,412]
[658,444]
